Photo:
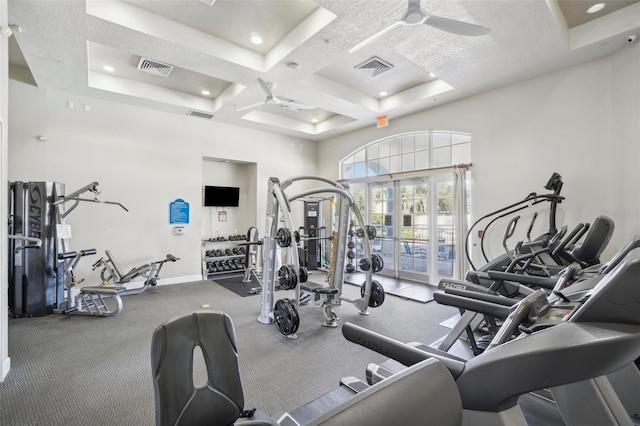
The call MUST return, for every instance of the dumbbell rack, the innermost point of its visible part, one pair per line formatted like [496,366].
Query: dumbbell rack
[215,255]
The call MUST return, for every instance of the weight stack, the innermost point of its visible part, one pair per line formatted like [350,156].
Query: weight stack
[34,287]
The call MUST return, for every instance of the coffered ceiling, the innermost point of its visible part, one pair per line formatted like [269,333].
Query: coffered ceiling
[197,56]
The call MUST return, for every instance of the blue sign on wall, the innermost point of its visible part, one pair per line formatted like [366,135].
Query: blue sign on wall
[178,212]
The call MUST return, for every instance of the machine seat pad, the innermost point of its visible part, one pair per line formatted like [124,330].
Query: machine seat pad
[104,290]
[318,288]
[135,272]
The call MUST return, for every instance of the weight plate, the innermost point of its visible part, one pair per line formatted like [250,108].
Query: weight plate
[371,232]
[351,244]
[351,254]
[283,237]
[296,234]
[304,274]
[364,264]
[359,233]
[286,316]
[284,277]
[294,276]
[377,293]
[377,263]
[351,267]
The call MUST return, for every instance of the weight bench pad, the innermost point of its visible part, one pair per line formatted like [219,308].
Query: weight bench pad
[318,288]
[109,291]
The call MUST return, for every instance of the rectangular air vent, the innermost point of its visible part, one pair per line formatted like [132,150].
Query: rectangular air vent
[200,114]
[155,67]
[208,2]
[375,66]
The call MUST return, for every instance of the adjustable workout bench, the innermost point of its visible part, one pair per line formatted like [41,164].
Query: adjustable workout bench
[111,272]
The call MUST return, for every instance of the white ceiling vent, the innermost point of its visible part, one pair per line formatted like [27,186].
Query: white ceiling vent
[200,114]
[208,2]
[375,65]
[155,67]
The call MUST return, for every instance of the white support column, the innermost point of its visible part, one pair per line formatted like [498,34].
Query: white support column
[5,361]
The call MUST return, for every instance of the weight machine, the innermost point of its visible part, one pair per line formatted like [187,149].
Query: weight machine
[294,277]
[112,274]
[39,279]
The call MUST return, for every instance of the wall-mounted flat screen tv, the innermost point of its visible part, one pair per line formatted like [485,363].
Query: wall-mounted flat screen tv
[221,196]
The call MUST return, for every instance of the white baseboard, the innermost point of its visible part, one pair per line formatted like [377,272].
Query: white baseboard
[180,280]
[6,365]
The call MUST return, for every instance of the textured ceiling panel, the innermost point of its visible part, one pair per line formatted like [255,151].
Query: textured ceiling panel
[306,54]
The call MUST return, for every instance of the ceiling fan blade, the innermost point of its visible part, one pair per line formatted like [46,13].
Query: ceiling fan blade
[293,105]
[250,106]
[455,27]
[265,88]
[375,37]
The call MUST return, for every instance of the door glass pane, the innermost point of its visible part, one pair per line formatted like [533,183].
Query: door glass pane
[445,247]
[414,226]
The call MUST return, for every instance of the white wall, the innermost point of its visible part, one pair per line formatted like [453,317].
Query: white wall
[143,159]
[581,122]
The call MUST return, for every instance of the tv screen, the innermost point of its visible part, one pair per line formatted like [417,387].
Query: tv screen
[221,196]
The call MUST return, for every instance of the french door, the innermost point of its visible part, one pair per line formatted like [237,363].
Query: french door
[414,223]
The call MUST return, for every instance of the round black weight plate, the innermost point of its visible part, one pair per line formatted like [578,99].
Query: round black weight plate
[371,232]
[286,316]
[364,264]
[283,237]
[294,276]
[351,267]
[377,293]
[359,233]
[304,274]
[351,254]
[377,263]
[296,235]
[351,244]
[284,277]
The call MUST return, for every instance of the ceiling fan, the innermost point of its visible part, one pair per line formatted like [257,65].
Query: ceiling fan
[415,16]
[274,100]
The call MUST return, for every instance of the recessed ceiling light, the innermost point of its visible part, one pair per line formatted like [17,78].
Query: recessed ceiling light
[256,38]
[205,92]
[108,68]
[596,7]
[432,75]
[314,120]
[383,93]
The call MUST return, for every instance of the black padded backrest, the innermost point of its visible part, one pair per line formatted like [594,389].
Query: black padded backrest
[423,394]
[178,402]
[596,241]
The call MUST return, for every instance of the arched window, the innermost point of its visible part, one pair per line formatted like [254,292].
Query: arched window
[407,152]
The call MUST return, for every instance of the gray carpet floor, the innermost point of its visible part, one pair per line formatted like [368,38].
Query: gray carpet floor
[75,370]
